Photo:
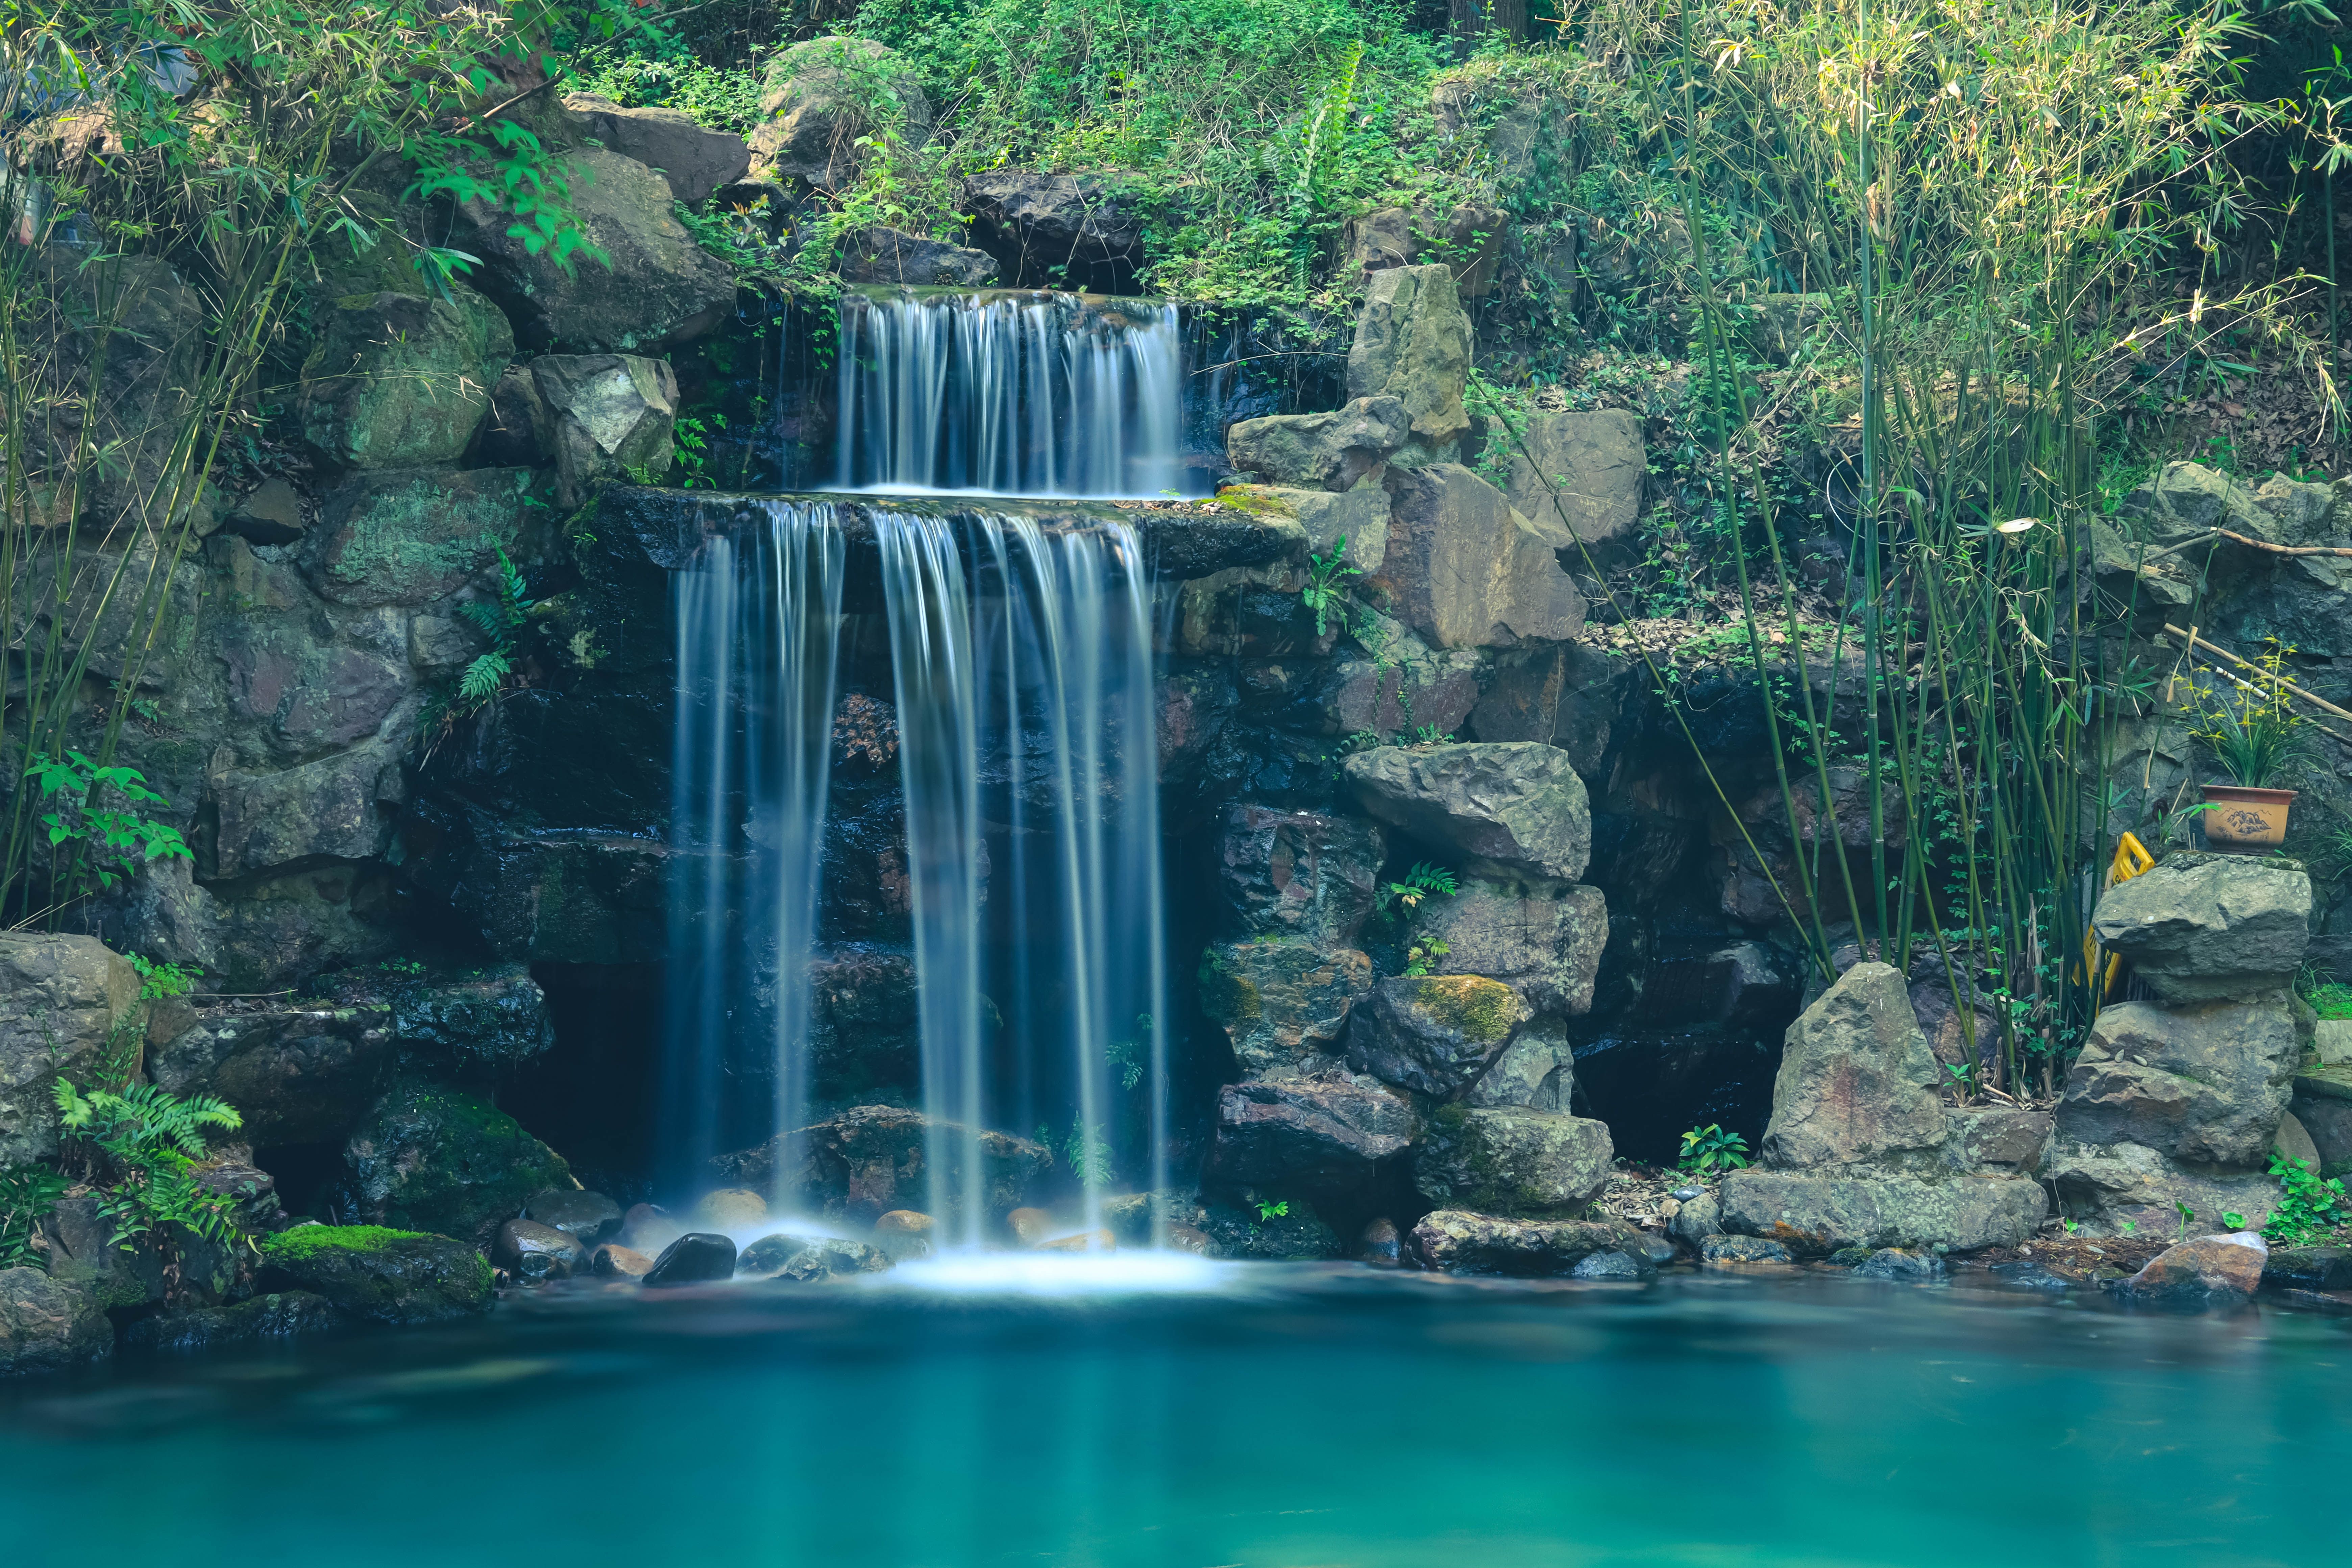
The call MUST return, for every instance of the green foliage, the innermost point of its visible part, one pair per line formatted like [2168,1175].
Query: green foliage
[1419,883]
[95,830]
[305,1242]
[1421,955]
[1711,1151]
[1329,580]
[2307,1207]
[157,980]
[27,1193]
[2252,728]
[500,617]
[1086,1153]
[1266,1211]
[665,76]
[152,1139]
[1127,1057]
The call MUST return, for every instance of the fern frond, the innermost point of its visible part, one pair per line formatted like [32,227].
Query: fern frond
[480,681]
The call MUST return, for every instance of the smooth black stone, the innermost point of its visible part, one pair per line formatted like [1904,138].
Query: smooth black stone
[694,1258]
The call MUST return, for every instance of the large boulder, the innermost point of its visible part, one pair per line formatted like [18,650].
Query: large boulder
[1470,241]
[395,381]
[1544,943]
[1356,514]
[820,98]
[893,256]
[1324,452]
[377,1275]
[300,1075]
[47,1325]
[871,1159]
[1824,1212]
[2206,1084]
[1459,1242]
[1512,1161]
[1413,344]
[1584,471]
[1076,231]
[654,288]
[2203,926]
[1536,1071]
[69,1008]
[1282,1004]
[1465,570]
[440,1159]
[401,536]
[2130,1189]
[603,416]
[339,807]
[1325,1131]
[1432,1034]
[1297,873]
[2210,1271]
[1512,810]
[1857,1083]
[694,158]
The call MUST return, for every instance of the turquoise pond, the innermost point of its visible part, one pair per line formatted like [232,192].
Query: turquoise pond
[1268,1414]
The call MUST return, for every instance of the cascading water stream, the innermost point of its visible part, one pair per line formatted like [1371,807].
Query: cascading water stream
[1009,394]
[757,632]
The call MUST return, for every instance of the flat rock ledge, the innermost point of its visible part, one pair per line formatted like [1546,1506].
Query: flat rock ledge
[1456,1241]
[1815,1214]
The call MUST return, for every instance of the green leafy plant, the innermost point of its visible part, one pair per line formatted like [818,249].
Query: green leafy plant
[27,1193]
[501,618]
[1127,1056]
[2233,1219]
[152,1140]
[1266,1211]
[1710,1150]
[1421,955]
[1329,583]
[158,981]
[2254,731]
[1087,1152]
[2186,1213]
[1423,880]
[2307,1208]
[96,829]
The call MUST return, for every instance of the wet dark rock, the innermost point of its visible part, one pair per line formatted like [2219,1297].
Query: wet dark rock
[1459,1242]
[301,1075]
[1296,873]
[1282,1004]
[869,1160]
[1735,1250]
[1901,1266]
[432,1157]
[694,1258]
[2027,1275]
[1380,1243]
[279,1316]
[1432,1034]
[1330,1130]
[893,256]
[2210,1271]
[338,807]
[47,1324]
[832,1256]
[1611,1266]
[766,1257]
[1073,231]
[493,1016]
[1299,1236]
[614,1261]
[533,1252]
[2309,1268]
[1649,1246]
[82,1252]
[1698,1218]
[378,1275]
[586,1217]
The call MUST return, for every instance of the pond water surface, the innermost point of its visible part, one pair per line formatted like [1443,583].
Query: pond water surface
[1261,1415]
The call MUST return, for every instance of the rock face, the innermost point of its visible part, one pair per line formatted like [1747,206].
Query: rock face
[1299,1236]
[1413,344]
[1514,1162]
[337,807]
[893,256]
[48,1324]
[603,416]
[1282,1004]
[1545,947]
[399,382]
[430,1158]
[1459,1242]
[379,1276]
[281,1315]
[303,1076]
[1584,471]
[696,161]
[1434,1033]
[1857,1082]
[1297,873]
[660,289]
[821,97]
[1061,230]
[2204,1084]
[65,1002]
[1513,810]
[2199,927]
[1465,570]
[1821,1212]
[1536,1071]
[1322,1131]
[398,536]
[1321,451]
[870,1160]
[2212,1271]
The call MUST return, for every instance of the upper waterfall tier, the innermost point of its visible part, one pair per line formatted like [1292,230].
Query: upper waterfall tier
[1009,394]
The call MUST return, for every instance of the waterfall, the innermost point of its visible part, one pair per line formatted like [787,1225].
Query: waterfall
[1010,394]
[1026,710]
[758,626]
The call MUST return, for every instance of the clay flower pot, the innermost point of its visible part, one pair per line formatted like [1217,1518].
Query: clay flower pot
[2244,818]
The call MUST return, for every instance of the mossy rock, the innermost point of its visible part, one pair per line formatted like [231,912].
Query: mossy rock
[432,1158]
[1512,1161]
[1471,1006]
[379,1274]
[1434,1034]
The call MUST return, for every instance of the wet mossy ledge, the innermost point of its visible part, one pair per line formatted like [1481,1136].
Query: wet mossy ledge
[1181,539]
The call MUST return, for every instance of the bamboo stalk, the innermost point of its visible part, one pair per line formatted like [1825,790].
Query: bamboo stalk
[2195,642]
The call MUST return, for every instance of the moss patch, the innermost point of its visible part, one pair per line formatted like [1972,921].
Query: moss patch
[1471,1006]
[308,1241]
